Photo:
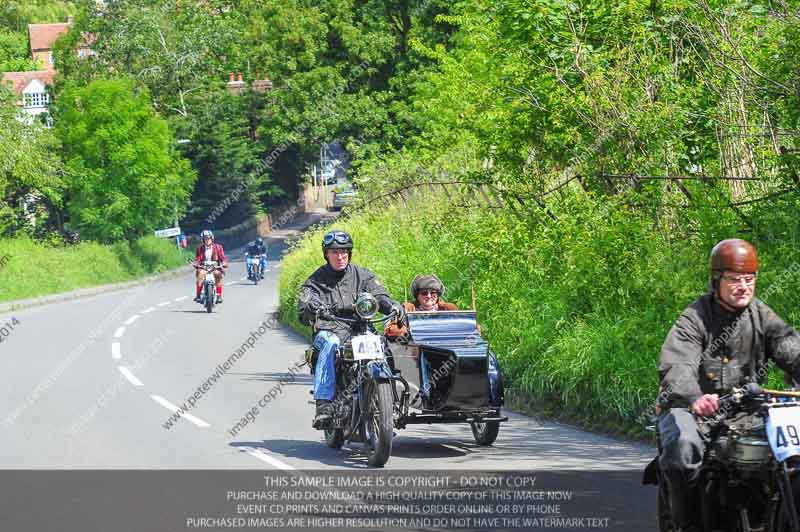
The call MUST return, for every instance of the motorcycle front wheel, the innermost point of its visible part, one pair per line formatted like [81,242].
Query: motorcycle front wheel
[209,298]
[378,421]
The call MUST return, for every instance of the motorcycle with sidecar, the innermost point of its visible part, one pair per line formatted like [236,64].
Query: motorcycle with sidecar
[441,372]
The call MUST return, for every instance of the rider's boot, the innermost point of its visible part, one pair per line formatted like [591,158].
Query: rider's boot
[324,414]
[219,294]
[198,291]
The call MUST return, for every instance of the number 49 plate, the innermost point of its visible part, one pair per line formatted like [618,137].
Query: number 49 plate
[367,347]
[783,432]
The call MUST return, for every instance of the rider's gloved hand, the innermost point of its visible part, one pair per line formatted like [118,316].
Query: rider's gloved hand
[324,313]
[706,406]
[399,312]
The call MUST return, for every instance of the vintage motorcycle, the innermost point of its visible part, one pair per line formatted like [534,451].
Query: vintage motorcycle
[749,480]
[209,292]
[365,394]
[442,372]
[254,267]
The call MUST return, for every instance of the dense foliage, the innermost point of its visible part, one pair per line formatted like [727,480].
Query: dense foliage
[580,116]
[125,178]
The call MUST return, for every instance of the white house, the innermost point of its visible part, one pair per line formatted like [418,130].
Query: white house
[31,89]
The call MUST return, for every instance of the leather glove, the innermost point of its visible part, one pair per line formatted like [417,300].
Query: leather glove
[323,312]
[400,313]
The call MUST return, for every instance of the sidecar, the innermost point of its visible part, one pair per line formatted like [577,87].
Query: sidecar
[451,374]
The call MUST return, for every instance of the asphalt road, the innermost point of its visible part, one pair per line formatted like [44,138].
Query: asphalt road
[93,384]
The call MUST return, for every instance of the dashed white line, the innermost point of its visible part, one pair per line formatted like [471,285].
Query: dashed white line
[130,376]
[115,351]
[268,459]
[180,298]
[148,310]
[454,448]
[164,304]
[119,332]
[131,319]
[169,406]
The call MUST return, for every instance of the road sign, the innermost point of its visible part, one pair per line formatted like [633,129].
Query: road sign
[172,231]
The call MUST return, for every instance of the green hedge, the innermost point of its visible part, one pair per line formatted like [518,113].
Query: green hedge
[32,269]
[577,307]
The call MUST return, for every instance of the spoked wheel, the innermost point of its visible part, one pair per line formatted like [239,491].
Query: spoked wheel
[209,298]
[334,438]
[378,423]
[781,518]
[485,433]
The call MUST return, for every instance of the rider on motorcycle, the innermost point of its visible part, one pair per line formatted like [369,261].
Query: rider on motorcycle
[209,251]
[256,249]
[722,340]
[331,291]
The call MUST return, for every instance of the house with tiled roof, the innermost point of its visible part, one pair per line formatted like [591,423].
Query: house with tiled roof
[31,87]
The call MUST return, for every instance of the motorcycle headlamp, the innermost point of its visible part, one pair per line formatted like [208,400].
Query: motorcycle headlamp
[366,305]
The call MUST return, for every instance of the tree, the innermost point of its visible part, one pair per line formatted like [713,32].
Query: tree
[125,177]
[29,166]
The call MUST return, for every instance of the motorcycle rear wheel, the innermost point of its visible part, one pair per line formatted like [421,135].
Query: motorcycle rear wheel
[334,438]
[379,430]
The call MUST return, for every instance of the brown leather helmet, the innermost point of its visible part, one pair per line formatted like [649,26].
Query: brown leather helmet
[426,282]
[735,255]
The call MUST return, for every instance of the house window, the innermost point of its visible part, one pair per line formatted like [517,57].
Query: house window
[36,99]
[50,58]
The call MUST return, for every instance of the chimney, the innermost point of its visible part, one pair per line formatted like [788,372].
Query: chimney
[235,87]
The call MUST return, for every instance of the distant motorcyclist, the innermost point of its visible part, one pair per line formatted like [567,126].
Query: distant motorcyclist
[209,251]
[722,340]
[331,291]
[257,250]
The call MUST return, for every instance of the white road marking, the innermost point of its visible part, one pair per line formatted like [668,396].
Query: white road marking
[132,319]
[454,448]
[164,304]
[119,332]
[180,298]
[148,310]
[115,352]
[130,376]
[169,406]
[268,459]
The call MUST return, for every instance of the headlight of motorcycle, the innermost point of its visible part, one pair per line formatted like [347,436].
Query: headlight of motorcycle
[366,305]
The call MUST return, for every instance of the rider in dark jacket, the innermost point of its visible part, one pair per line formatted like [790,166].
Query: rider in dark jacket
[259,250]
[722,340]
[331,291]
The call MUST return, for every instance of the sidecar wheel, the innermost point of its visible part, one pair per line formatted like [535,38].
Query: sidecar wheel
[485,433]
[334,438]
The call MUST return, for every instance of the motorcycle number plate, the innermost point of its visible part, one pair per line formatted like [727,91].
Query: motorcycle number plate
[783,432]
[367,347]
[210,277]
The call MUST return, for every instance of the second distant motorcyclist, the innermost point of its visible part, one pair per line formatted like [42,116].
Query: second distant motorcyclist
[258,250]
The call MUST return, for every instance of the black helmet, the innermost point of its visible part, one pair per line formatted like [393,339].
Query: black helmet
[259,241]
[336,240]
[426,282]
